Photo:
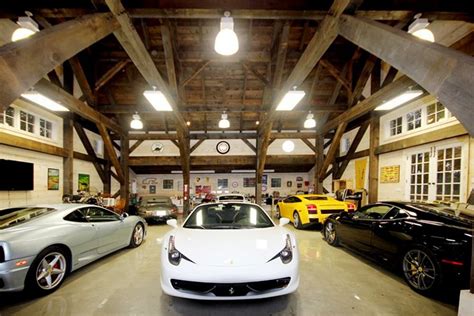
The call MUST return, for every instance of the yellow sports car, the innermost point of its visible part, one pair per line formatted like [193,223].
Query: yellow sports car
[307,209]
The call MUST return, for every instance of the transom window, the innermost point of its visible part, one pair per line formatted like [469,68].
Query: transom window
[27,122]
[396,126]
[414,120]
[8,117]
[46,128]
[435,112]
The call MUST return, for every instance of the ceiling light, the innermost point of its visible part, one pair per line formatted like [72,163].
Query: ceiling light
[188,123]
[257,122]
[136,123]
[418,28]
[194,171]
[226,42]
[28,27]
[399,100]
[290,100]
[310,122]
[288,146]
[158,100]
[43,101]
[224,122]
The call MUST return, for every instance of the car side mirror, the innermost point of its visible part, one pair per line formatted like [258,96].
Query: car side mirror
[125,215]
[172,223]
[284,221]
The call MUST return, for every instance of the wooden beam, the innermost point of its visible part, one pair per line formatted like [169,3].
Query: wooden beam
[362,80]
[319,161]
[337,75]
[111,151]
[21,64]
[90,150]
[374,158]
[82,80]
[169,59]
[124,184]
[281,56]
[258,75]
[334,149]
[135,145]
[352,149]
[196,145]
[445,73]
[310,145]
[249,144]
[68,158]
[243,135]
[197,72]
[56,93]
[109,74]
[28,144]
[430,137]
[391,74]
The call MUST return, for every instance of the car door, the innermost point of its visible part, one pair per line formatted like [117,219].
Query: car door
[288,206]
[356,229]
[110,229]
[83,237]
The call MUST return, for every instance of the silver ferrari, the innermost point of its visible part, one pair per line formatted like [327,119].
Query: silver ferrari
[40,245]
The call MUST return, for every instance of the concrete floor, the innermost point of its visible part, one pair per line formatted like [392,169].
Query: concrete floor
[333,281]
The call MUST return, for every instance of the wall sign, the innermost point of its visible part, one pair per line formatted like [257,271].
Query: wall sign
[390,174]
[223,147]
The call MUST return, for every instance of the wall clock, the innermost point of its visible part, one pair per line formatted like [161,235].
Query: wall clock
[235,184]
[222,147]
[157,147]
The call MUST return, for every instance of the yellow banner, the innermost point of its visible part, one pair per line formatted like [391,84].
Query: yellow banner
[360,167]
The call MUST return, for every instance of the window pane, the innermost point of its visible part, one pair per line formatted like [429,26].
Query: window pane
[418,178]
[425,189]
[413,158]
[439,178]
[457,152]
[412,189]
[440,154]
[425,178]
[418,189]
[439,189]
[447,177]
[457,176]
[431,108]
[23,125]
[447,189]
[456,189]
[440,166]
[441,115]
[399,129]
[448,165]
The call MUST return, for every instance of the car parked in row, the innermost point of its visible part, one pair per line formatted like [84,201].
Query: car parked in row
[428,243]
[157,208]
[309,209]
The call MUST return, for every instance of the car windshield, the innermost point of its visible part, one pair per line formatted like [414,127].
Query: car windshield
[445,212]
[231,198]
[16,216]
[228,216]
[316,198]
[156,201]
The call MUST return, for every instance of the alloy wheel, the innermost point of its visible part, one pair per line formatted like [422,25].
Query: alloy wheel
[51,271]
[138,234]
[330,232]
[296,220]
[419,269]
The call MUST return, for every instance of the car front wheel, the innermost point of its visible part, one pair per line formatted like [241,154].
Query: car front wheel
[47,272]
[330,233]
[138,235]
[421,270]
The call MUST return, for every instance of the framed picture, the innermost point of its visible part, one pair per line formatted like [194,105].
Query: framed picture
[299,178]
[249,182]
[276,182]
[306,183]
[152,189]
[168,184]
[222,184]
[53,179]
[299,185]
[289,184]
[198,189]
[83,182]
[264,179]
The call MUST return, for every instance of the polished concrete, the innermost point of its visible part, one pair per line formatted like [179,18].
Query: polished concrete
[334,281]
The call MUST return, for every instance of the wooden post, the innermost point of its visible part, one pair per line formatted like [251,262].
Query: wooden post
[68,161]
[125,185]
[184,148]
[374,158]
[318,183]
[107,174]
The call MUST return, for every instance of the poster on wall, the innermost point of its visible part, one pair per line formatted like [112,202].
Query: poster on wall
[152,189]
[306,183]
[299,179]
[264,179]
[360,167]
[53,179]
[390,174]
[289,184]
[198,189]
[299,185]
[206,189]
[83,182]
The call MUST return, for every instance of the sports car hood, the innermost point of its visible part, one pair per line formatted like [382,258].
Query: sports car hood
[236,247]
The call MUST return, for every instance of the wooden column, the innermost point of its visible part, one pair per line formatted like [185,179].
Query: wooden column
[68,161]
[21,64]
[318,183]
[444,72]
[258,174]
[107,174]
[185,153]
[374,158]
[125,185]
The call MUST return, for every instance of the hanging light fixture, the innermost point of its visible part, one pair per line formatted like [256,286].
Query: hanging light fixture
[224,122]
[288,146]
[158,100]
[418,28]
[43,101]
[310,122]
[28,27]
[226,42]
[290,100]
[136,122]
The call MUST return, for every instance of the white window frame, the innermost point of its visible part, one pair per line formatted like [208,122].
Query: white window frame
[396,126]
[415,120]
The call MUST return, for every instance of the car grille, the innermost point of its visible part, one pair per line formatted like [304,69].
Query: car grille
[2,254]
[330,211]
[230,289]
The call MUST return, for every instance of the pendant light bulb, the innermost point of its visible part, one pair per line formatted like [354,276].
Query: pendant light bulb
[310,122]
[227,42]
[224,122]
[136,122]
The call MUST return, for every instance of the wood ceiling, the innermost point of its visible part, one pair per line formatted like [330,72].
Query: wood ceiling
[272,35]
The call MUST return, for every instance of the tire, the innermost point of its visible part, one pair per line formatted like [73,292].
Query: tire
[278,214]
[48,271]
[330,233]
[297,221]
[137,237]
[421,270]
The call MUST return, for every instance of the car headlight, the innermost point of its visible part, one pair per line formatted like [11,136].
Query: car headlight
[286,254]
[174,256]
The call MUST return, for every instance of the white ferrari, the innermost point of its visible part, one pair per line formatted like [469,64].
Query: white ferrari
[229,251]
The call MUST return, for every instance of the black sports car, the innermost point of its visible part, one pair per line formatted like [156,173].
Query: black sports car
[427,242]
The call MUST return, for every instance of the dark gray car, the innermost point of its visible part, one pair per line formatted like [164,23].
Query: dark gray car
[157,209]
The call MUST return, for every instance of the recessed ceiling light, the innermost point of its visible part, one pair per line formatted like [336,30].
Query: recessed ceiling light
[43,101]
[290,100]
[399,100]
[158,100]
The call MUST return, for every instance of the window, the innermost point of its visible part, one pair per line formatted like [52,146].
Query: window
[276,183]
[435,112]
[46,128]
[27,122]
[414,120]
[168,184]
[95,214]
[222,184]
[396,126]
[448,177]
[372,212]
[8,117]
[419,176]
[76,216]
[249,182]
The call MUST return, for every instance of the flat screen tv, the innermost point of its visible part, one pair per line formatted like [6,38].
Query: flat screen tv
[16,175]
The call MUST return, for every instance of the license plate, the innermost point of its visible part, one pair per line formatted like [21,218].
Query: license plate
[159,213]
